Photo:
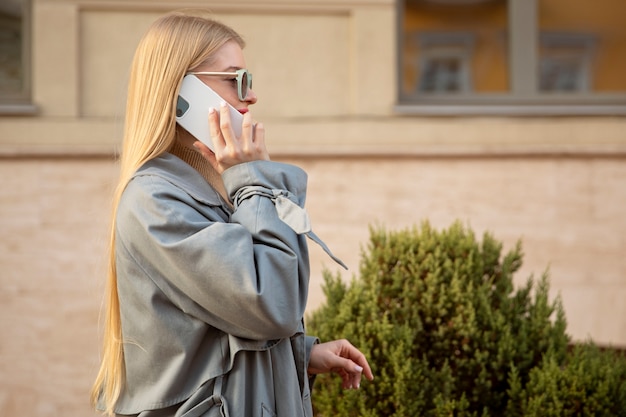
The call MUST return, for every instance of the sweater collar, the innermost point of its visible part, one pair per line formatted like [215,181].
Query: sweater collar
[182,175]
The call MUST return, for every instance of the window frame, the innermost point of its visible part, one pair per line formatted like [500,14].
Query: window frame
[524,96]
[20,103]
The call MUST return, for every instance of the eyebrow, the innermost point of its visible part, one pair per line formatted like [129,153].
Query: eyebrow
[232,69]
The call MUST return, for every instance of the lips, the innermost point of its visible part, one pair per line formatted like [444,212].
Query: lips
[243,111]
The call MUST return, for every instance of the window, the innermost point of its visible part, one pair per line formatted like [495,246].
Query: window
[443,62]
[15,57]
[511,56]
[566,62]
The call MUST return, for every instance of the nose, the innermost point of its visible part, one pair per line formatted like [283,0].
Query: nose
[251,97]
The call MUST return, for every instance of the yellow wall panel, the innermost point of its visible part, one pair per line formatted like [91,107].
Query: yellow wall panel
[301,60]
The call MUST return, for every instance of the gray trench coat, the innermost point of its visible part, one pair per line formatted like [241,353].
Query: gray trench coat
[212,298]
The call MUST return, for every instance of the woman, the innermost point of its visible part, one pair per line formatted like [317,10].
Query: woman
[209,270]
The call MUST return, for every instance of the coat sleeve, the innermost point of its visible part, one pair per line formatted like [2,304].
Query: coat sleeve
[310,341]
[247,277]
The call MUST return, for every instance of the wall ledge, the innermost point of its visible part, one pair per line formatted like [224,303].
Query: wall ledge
[346,152]
[349,137]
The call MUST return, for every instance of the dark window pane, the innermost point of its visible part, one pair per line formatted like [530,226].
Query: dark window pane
[11,60]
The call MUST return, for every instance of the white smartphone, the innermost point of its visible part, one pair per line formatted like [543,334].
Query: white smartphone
[192,109]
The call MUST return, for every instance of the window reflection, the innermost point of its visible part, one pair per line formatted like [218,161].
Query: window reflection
[445,62]
[566,62]
[559,48]
[582,45]
[454,47]
[11,78]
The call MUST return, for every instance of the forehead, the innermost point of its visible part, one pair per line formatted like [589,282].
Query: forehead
[229,55]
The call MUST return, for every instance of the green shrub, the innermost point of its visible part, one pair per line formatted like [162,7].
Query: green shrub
[591,382]
[444,329]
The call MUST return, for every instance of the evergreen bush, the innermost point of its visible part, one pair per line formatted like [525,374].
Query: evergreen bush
[445,331]
[591,382]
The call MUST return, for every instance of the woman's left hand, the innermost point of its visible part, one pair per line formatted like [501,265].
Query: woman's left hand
[228,149]
[341,357]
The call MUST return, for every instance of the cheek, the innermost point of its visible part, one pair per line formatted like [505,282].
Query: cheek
[228,94]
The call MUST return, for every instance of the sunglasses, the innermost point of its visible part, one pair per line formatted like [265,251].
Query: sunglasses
[244,80]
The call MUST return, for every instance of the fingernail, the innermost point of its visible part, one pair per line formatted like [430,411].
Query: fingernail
[211,110]
[358,368]
[223,104]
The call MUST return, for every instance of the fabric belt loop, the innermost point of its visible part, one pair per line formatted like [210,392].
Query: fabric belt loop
[217,388]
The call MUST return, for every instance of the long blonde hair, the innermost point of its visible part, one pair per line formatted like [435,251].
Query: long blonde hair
[174,44]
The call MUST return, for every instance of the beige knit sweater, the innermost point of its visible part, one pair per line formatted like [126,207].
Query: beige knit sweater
[197,162]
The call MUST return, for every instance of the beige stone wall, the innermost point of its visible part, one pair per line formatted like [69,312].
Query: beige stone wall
[51,223]
[325,74]
[54,213]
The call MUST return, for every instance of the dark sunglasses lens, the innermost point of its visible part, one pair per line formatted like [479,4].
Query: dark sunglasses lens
[244,84]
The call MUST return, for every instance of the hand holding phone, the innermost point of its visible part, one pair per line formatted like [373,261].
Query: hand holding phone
[195,98]
[229,150]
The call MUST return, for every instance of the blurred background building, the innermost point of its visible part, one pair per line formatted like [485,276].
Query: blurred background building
[508,115]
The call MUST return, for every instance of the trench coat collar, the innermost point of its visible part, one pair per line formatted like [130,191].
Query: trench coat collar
[176,171]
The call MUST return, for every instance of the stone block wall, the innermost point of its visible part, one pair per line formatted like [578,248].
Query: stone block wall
[54,213]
